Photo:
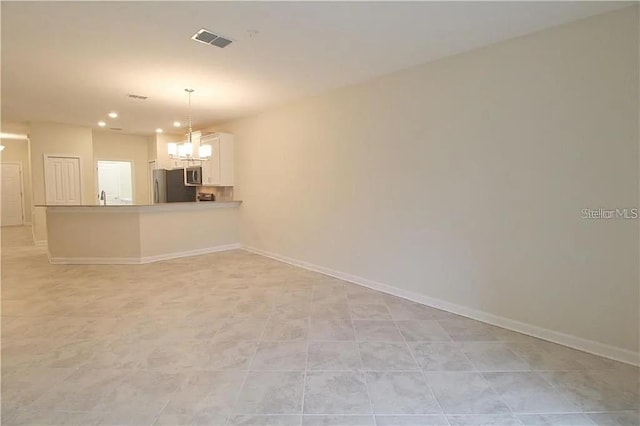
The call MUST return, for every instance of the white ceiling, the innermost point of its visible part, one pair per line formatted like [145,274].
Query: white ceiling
[73,62]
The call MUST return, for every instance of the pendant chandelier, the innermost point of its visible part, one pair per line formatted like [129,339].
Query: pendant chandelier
[184,151]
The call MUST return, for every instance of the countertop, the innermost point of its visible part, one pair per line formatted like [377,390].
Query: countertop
[160,207]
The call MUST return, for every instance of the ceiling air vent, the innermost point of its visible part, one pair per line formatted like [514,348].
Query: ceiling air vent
[115,128]
[132,96]
[207,37]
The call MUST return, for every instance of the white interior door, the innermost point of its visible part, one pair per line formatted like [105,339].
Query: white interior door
[62,180]
[11,198]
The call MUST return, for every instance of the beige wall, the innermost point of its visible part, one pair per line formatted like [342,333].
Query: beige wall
[117,146]
[152,147]
[58,139]
[17,151]
[464,179]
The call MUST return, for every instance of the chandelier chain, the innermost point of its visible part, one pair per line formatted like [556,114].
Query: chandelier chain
[190,91]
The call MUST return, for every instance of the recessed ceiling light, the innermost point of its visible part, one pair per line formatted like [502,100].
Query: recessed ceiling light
[101,123]
[176,124]
[113,114]
[158,130]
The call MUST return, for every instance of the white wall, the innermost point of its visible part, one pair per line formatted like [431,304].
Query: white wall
[122,147]
[464,179]
[17,151]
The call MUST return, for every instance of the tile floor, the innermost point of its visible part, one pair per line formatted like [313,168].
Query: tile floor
[237,339]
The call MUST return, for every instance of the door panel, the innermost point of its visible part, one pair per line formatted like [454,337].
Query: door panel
[62,180]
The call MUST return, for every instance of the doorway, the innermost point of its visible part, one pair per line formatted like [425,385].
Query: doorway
[115,182]
[11,198]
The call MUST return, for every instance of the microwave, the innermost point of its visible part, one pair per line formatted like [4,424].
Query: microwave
[193,176]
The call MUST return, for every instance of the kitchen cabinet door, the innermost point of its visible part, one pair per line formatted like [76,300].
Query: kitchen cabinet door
[211,167]
[218,170]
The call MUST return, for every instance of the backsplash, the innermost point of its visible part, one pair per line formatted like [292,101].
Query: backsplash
[222,193]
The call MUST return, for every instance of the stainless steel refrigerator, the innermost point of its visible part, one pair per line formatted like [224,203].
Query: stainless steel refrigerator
[169,187]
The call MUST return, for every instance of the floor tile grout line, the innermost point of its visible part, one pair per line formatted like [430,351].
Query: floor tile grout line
[155,420]
[464,354]
[557,389]
[248,372]
[306,359]
[433,393]
[497,394]
[527,363]
[97,412]
[363,373]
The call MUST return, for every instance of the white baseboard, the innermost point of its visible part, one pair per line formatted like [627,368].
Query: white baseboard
[138,260]
[94,260]
[591,346]
[197,252]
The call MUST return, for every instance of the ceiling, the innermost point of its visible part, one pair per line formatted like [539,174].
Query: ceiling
[73,62]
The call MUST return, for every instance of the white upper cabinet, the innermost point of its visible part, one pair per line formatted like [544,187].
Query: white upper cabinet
[218,170]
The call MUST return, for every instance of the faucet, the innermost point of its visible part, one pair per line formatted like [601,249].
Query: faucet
[103,197]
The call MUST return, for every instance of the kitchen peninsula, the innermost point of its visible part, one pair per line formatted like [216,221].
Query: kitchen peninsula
[136,234]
